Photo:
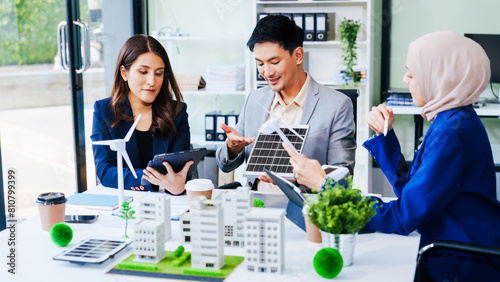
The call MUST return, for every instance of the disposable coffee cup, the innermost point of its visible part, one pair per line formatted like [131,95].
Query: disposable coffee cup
[199,187]
[312,231]
[51,207]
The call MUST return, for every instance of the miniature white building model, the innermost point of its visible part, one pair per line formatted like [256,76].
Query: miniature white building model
[185,225]
[236,203]
[156,207]
[149,242]
[264,240]
[207,251]
[152,229]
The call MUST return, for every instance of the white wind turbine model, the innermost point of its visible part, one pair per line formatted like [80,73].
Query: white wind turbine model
[118,145]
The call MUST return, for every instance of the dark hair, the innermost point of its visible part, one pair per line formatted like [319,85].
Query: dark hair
[277,29]
[165,108]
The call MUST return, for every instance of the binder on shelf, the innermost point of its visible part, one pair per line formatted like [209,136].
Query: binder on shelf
[262,15]
[298,18]
[330,26]
[232,119]
[210,126]
[220,135]
[309,27]
[320,34]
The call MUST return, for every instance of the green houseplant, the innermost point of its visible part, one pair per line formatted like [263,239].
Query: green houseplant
[340,211]
[348,33]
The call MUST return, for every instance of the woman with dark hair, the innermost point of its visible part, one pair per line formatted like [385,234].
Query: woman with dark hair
[143,84]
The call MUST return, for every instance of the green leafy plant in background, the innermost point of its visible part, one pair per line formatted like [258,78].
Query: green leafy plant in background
[348,33]
[341,209]
[126,213]
[28,30]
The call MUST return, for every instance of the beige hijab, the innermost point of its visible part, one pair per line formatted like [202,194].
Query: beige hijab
[449,69]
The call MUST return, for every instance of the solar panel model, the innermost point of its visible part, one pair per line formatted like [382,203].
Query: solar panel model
[94,250]
[268,152]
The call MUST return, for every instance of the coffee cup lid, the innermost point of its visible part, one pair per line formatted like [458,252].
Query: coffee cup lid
[199,185]
[51,198]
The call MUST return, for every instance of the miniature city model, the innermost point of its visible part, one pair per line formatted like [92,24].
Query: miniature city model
[185,225]
[149,241]
[236,203]
[207,251]
[264,240]
[156,207]
[152,229]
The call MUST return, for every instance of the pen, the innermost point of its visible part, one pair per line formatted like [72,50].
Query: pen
[386,126]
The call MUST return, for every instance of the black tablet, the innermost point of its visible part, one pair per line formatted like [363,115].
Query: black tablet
[177,160]
[287,187]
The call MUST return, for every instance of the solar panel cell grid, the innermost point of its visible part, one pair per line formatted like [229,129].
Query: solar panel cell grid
[269,153]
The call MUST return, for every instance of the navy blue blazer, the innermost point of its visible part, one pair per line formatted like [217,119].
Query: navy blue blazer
[448,192]
[105,159]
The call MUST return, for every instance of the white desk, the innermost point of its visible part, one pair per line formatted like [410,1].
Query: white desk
[377,257]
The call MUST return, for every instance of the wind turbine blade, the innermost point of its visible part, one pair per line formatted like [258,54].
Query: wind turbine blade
[286,140]
[124,154]
[293,131]
[132,128]
[264,108]
[103,142]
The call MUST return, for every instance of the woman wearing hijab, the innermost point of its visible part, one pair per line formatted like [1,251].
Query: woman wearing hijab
[449,190]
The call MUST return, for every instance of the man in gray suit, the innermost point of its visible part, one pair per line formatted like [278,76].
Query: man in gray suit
[295,97]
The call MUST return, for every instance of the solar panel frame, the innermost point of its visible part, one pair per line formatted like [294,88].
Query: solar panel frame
[95,249]
[268,152]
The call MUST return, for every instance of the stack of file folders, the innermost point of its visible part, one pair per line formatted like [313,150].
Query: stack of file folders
[226,78]
[190,82]
[399,99]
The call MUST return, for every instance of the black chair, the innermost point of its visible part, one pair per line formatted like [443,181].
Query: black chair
[353,94]
[467,248]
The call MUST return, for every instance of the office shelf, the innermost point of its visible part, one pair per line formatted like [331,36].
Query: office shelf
[220,93]
[202,38]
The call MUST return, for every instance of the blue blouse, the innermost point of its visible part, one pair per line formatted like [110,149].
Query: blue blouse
[449,190]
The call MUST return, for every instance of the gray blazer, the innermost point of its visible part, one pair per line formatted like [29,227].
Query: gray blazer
[328,113]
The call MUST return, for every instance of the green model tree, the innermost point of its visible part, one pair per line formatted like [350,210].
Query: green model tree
[126,213]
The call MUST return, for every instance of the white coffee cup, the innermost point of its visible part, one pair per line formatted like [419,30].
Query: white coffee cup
[199,187]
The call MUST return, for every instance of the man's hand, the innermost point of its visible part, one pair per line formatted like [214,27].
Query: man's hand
[308,172]
[235,142]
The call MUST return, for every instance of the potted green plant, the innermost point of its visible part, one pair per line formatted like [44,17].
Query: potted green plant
[340,211]
[348,34]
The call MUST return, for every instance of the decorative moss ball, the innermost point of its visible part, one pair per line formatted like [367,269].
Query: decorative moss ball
[61,234]
[328,262]
[258,203]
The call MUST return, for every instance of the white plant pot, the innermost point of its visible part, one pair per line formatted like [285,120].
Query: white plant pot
[343,242]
